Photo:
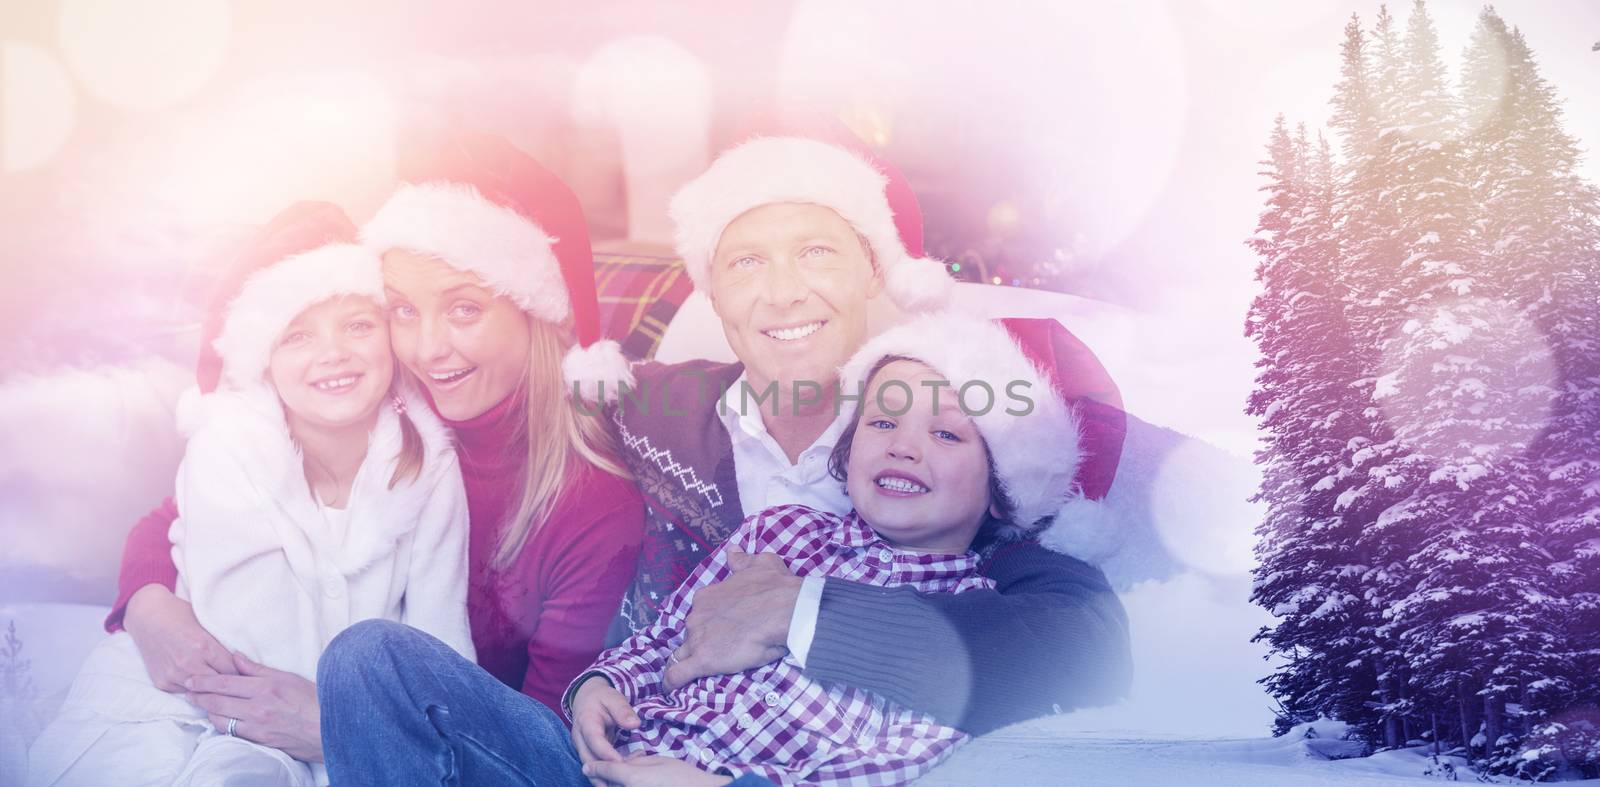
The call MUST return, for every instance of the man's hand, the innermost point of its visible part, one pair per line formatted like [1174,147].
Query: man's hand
[739,623]
[652,772]
[171,641]
[274,708]
[598,711]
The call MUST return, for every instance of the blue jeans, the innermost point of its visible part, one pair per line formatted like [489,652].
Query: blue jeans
[399,707]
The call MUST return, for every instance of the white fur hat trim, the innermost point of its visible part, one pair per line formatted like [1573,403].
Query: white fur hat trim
[599,366]
[272,297]
[769,170]
[1035,454]
[452,221]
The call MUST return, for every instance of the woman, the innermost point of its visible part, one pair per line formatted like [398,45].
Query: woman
[488,271]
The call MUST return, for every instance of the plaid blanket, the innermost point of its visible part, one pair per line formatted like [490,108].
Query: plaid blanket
[639,294]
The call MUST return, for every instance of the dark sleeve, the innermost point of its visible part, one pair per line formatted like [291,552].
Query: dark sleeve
[146,559]
[751,780]
[1051,637]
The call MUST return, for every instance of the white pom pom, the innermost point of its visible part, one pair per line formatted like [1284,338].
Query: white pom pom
[919,285]
[1085,529]
[599,371]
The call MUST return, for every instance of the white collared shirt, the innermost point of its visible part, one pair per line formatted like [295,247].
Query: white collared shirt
[767,478]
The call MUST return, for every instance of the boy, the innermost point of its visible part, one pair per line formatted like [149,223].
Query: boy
[931,464]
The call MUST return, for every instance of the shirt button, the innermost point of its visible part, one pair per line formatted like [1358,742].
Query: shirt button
[330,586]
[747,719]
[773,698]
[705,755]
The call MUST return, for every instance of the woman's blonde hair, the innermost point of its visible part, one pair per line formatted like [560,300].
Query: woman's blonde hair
[554,452]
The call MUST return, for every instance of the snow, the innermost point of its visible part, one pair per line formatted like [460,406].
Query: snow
[1055,751]
[1272,409]
[1446,325]
[1399,512]
[1329,606]
[1387,385]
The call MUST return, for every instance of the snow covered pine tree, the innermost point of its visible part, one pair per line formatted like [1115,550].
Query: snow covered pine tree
[1430,391]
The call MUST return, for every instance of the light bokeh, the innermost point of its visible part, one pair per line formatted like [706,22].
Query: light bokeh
[1202,510]
[1504,384]
[1038,85]
[38,106]
[657,97]
[144,55]
[330,137]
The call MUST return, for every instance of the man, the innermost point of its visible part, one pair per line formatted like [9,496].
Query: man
[789,238]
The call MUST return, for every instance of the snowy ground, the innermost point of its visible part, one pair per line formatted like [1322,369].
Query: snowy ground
[1049,751]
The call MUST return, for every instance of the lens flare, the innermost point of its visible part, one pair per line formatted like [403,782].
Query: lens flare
[38,106]
[145,55]
[1467,384]
[1101,150]
[1202,509]
[657,96]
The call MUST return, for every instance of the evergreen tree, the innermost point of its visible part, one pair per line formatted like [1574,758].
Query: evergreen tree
[1430,392]
[1536,233]
[1305,574]
[1367,481]
[1440,367]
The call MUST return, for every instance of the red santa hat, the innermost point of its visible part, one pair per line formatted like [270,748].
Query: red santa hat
[483,206]
[305,255]
[1055,462]
[863,190]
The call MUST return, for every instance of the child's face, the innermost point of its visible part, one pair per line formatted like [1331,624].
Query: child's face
[332,365]
[466,344]
[920,479]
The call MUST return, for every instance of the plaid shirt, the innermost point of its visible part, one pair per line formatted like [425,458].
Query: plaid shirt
[773,720]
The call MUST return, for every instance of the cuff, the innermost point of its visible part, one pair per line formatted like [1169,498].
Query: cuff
[749,780]
[572,691]
[803,623]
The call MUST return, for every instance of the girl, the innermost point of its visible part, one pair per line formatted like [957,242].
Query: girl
[931,465]
[313,493]
[490,285]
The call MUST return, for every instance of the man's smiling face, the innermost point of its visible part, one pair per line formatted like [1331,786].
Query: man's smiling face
[790,282]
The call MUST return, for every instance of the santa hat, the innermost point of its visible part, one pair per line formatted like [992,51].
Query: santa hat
[799,169]
[304,256]
[1056,461]
[481,205]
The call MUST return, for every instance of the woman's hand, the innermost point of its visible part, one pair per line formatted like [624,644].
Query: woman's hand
[598,711]
[172,643]
[652,772]
[274,708]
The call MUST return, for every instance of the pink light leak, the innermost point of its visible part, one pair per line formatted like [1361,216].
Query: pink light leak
[1119,140]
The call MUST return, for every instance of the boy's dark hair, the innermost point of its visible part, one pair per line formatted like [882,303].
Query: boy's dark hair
[839,462]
